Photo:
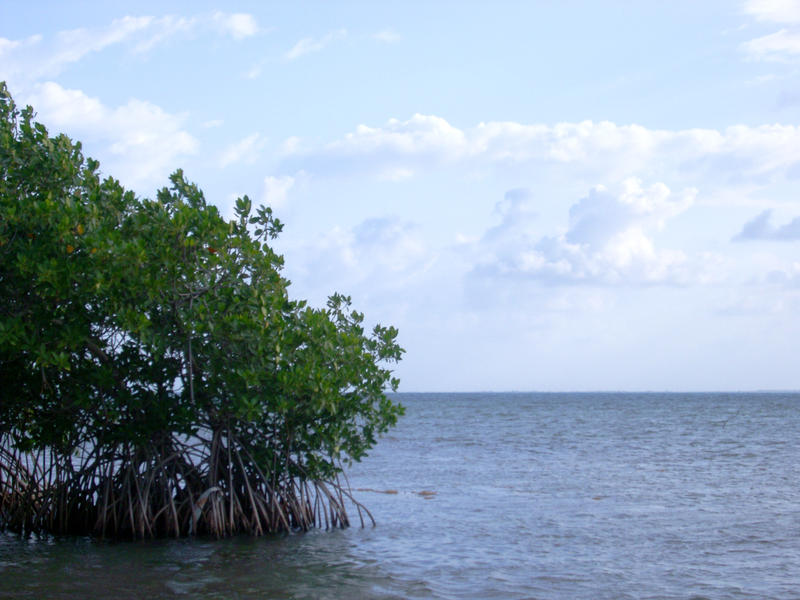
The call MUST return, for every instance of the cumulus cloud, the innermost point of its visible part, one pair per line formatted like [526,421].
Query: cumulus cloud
[426,141]
[379,259]
[386,244]
[516,212]
[309,44]
[143,141]
[422,134]
[601,214]
[608,240]
[761,228]
[395,151]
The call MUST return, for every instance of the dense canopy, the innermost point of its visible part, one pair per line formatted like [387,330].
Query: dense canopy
[155,376]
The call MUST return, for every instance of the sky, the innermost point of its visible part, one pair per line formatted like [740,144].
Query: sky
[549,196]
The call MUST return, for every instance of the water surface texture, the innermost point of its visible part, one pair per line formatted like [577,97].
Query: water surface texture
[546,496]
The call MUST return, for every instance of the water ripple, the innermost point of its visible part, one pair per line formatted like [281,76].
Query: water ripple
[546,496]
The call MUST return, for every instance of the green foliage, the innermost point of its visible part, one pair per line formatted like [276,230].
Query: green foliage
[151,345]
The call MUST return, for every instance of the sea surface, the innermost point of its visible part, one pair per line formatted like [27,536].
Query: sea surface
[551,496]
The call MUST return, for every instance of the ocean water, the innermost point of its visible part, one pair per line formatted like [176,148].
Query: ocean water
[550,496]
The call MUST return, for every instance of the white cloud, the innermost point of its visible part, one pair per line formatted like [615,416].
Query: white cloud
[378,258]
[36,57]
[291,145]
[761,228]
[608,240]
[764,79]
[399,148]
[72,45]
[162,29]
[563,142]
[237,25]
[255,71]
[516,213]
[788,276]
[387,36]
[779,46]
[390,242]
[276,190]
[775,11]
[246,151]
[308,45]
[9,46]
[143,141]
[615,151]
[750,303]
[421,134]
[396,174]
[601,215]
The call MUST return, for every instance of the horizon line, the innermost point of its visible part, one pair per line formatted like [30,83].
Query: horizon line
[745,391]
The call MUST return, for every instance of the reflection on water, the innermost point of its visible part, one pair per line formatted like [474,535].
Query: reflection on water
[298,566]
[574,496]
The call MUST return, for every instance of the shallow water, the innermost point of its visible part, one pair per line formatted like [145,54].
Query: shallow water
[523,496]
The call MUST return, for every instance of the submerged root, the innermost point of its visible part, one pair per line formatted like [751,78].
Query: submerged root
[210,486]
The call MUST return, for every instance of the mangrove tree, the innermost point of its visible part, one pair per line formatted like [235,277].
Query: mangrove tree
[156,378]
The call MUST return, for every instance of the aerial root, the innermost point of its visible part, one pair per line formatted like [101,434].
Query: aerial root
[212,487]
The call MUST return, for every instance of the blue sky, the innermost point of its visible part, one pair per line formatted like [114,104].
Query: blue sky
[539,195]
